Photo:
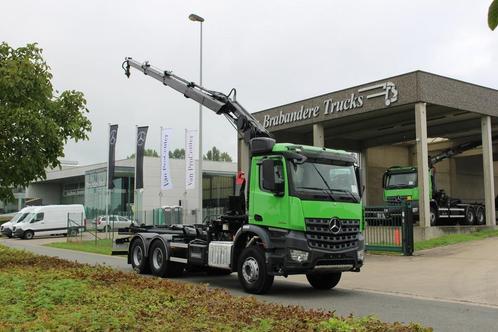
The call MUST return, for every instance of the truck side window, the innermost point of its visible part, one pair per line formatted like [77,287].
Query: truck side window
[279,174]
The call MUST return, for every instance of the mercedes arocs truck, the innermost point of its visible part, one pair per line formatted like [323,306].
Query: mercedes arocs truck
[299,211]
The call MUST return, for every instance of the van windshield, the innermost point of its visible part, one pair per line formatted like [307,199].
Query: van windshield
[22,217]
[18,216]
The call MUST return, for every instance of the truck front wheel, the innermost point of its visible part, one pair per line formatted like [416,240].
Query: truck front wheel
[252,272]
[324,280]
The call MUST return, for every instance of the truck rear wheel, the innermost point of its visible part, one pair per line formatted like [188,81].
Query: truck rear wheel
[137,257]
[470,216]
[433,216]
[324,280]
[159,262]
[252,272]
[480,215]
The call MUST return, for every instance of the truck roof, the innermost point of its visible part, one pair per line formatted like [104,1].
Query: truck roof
[281,147]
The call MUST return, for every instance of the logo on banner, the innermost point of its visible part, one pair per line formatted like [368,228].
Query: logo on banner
[141,138]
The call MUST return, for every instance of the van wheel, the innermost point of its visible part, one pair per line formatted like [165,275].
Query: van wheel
[324,280]
[252,272]
[107,228]
[28,235]
[137,257]
[73,232]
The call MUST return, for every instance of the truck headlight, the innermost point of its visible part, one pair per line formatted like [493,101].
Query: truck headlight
[360,254]
[298,255]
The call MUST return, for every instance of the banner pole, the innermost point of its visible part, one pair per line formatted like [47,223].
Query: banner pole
[107,172]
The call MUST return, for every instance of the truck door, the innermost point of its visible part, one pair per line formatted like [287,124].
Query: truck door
[267,207]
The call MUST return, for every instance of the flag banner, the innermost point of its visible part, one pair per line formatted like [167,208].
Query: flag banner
[165,173]
[139,158]
[111,160]
[190,148]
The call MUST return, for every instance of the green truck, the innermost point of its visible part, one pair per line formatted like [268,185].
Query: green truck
[299,212]
[400,183]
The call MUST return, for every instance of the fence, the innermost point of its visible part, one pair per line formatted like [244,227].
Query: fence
[389,228]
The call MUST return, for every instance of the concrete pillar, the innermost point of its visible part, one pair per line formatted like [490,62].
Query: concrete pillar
[318,136]
[364,175]
[487,161]
[422,163]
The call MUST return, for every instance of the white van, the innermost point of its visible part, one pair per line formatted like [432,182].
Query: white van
[6,228]
[51,220]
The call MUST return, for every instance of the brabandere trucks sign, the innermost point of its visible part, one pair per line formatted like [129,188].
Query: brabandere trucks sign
[190,148]
[165,173]
[387,90]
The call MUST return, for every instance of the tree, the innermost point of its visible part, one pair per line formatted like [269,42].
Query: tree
[493,15]
[177,154]
[216,155]
[147,153]
[35,120]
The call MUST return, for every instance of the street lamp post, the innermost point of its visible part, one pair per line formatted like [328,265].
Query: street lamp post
[197,18]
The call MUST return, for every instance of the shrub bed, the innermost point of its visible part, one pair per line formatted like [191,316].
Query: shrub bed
[45,293]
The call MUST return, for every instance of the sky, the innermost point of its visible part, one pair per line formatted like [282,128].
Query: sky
[272,52]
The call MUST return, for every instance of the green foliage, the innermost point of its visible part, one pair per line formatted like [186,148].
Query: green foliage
[493,15]
[455,238]
[103,246]
[35,120]
[147,153]
[216,155]
[177,154]
[46,293]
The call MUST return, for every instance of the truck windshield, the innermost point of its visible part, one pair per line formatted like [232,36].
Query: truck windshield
[320,180]
[401,180]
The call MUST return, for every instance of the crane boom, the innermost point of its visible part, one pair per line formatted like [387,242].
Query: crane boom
[218,102]
[461,148]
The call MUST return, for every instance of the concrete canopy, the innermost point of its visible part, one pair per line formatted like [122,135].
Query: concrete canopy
[385,113]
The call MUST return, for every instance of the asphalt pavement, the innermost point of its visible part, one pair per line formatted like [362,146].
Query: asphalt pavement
[443,314]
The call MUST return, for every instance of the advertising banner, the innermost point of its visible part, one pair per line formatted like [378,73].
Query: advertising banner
[190,148]
[166,182]
[139,158]
[111,160]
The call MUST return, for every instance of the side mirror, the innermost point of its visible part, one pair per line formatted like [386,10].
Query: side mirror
[361,187]
[268,168]
[384,180]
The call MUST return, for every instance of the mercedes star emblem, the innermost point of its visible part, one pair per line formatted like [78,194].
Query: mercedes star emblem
[335,225]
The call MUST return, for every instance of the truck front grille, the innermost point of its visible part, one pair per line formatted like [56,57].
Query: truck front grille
[320,236]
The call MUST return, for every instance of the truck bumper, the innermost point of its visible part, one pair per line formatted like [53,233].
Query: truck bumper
[286,261]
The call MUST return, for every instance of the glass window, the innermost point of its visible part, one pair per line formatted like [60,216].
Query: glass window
[278,170]
[38,217]
[402,180]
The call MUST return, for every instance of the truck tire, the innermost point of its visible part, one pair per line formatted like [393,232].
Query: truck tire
[138,259]
[480,215]
[159,264]
[470,217]
[28,235]
[252,272]
[324,280]
[433,216]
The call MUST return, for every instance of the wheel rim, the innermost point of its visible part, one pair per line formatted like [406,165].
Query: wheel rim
[480,216]
[250,270]
[157,258]
[29,235]
[137,255]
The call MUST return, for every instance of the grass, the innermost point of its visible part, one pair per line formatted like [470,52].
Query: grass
[47,293]
[454,239]
[104,246]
